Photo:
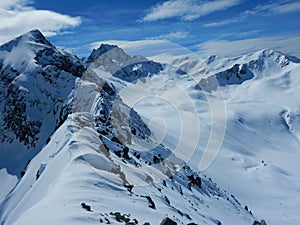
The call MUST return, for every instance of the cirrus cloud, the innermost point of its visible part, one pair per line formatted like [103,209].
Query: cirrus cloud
[18,17]
[187,10]
[270,8]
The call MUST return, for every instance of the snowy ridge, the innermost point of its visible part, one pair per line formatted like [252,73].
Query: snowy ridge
[260,61]
[235,75]
[109,182]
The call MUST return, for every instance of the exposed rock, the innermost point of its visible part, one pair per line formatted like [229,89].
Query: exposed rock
[168,221]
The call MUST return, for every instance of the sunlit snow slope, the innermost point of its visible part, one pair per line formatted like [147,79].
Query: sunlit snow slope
[259,157]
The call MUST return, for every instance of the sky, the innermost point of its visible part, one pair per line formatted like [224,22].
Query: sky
[227,28]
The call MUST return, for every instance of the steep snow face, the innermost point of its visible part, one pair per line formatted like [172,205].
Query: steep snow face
[260,148]
[35,80]
[83,168]
[112,51]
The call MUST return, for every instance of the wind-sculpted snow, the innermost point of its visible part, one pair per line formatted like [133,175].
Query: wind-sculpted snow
[256,89]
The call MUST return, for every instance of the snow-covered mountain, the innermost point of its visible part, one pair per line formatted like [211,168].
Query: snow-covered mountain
[118,139]
[260,147]
[35,81]
[115,61]
[73,152]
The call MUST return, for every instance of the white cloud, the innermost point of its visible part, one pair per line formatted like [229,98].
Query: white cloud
[17,17]
[278,7]
[222,22]
[269,8]
[187,9]
[172,36]
[287,8]
[286,44]
[241,35]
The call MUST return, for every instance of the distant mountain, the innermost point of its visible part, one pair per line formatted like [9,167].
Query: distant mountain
[84,156]
[189,63]
[121,65]
[236,71]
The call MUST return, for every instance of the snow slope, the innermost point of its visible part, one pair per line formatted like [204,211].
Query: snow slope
[80,172]
[260,148]
[258,159]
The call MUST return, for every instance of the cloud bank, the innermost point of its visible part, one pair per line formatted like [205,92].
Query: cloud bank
[17,17]
[233,48]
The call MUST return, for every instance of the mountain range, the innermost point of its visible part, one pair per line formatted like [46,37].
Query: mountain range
[120,139]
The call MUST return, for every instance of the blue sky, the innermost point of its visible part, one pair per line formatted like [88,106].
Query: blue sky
[222,27]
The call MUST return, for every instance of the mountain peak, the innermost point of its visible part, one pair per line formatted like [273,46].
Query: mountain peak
[266,52]
[37,36]
[104,49]
[33,36]
[107,47]
[36,33]
[276,55]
